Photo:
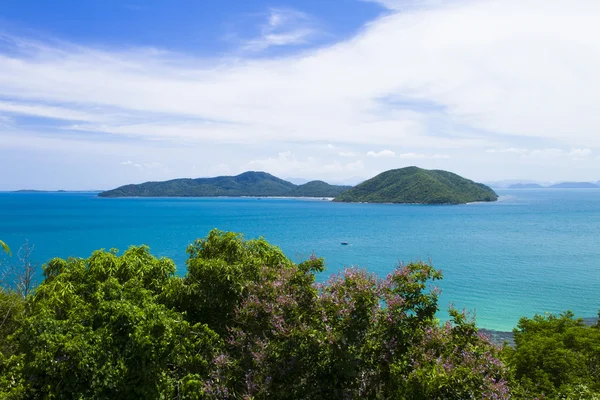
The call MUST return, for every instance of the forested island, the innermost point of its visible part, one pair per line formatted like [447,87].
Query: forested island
[246,322]
[251,183]
[405,185]
[418,186]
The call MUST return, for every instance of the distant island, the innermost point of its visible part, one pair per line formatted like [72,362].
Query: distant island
[526,186]
[574,185]
[420,186]
[38,191]
[561,185]
[251,183]
[405,185]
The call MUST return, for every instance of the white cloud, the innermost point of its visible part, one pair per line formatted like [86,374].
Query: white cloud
[40,110]
[347,154]
[400,5]
[544,153]
[580,153]
[286,163]
[547,153]
[144,166]
[382,153]
[284,27]
[508,150]
[418,156]
[467,84]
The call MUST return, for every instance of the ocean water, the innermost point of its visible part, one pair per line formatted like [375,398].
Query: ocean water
[534,251]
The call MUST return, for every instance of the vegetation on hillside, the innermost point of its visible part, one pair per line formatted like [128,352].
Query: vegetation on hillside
[418,186]
[555,357]
[318,189]
[260,184]
[245,322]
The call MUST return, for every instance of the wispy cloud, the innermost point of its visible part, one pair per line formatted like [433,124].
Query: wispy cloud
[399,5]
[382,153]
[51,112]
[531,86]
[419,156]
[546,153]
[331,93]
[283,27]
[286,162]
[508,150]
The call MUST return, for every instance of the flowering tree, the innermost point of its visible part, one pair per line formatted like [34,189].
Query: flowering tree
[355,336]
[243,323]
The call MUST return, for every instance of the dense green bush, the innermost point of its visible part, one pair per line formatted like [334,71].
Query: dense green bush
[555,357]
[245,322]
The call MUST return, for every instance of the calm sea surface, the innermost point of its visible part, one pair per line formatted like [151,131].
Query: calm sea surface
[534,251]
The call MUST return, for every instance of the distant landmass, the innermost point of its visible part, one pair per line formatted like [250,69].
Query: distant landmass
[561,185]
[318,189]
[39,191]
[417,185]
[526,186]
[54,191]
[574,185]
[251,183]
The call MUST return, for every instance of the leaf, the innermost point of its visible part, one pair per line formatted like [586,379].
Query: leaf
[5,248]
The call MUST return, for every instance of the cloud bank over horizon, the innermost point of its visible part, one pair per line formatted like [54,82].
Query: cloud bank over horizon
[488,89]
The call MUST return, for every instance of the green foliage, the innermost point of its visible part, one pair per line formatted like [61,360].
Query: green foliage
[5,247]
[355,336]
[317,189]
[243,323]
[220,268]
[94,329]
[416,185]
[12,306]
[246,184]
[556,357]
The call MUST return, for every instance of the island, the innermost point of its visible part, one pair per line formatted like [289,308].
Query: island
[526,186]
[318,189]
[418,186]
[250,184]
[574,185]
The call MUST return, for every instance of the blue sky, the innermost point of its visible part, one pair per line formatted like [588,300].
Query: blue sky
[95,94]
[190,26]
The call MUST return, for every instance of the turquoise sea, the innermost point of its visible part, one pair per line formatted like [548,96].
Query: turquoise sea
[534,251]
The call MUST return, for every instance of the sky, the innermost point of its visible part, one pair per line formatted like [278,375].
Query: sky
[99,93]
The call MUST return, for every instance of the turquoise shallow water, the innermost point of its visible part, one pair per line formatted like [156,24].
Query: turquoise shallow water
[533,251]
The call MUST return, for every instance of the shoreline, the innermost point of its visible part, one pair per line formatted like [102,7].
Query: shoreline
[500,337]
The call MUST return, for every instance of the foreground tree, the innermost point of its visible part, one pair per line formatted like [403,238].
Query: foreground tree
[95,330]
[243,323]
[355,336]
[556,357]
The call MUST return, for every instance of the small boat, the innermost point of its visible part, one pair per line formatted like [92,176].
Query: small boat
[344,243]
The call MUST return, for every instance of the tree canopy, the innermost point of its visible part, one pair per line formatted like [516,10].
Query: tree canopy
[419,186]
[250,183]
[245,322]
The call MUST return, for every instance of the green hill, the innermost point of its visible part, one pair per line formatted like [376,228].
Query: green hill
[416,185]
[259,184]
[318,189]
